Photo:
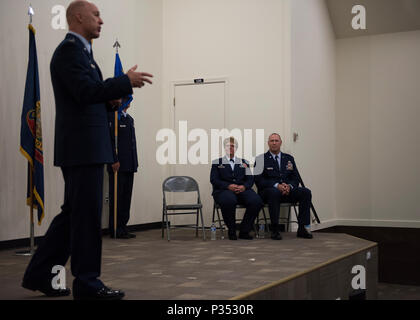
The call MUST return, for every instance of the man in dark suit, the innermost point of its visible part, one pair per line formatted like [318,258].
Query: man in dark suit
[232,182]
[82,147]
[126,164]
[277,181]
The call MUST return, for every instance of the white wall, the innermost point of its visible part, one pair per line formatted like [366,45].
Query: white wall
[378,107]
[312,113]
[353,102]
[138,26]
[240,40]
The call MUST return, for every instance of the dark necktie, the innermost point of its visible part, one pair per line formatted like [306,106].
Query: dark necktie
[277,162]
[232,164]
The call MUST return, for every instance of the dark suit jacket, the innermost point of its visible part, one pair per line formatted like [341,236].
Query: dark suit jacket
[127,145]
[268,175]
[81,125]
[221,175]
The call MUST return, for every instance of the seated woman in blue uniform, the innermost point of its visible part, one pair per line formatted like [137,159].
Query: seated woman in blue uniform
[232,182]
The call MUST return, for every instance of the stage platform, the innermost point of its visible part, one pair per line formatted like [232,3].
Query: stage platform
[188,268]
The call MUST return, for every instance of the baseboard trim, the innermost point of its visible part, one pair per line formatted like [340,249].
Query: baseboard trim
[412,224]
[25,242]
[378,223]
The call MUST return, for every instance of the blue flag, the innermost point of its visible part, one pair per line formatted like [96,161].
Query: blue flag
[119,71]
[31,132]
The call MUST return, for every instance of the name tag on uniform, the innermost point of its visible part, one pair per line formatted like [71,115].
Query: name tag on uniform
[123,126]
[270,168]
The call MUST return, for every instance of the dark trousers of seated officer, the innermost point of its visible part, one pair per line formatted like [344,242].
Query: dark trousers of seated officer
[228,200]
[124,193]
[273,197]
[76,231]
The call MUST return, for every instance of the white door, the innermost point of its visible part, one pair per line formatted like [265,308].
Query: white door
[197,106]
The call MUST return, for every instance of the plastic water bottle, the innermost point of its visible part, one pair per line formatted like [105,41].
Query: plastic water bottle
[213,231]
[261,231]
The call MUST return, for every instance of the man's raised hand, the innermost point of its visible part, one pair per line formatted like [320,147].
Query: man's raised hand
[138,79]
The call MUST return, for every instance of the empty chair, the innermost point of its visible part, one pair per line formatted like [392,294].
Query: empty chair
[181,184]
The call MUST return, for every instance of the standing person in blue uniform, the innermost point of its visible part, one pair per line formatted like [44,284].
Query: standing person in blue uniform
[82,147]
[277,181]
[126,164]
[232,182]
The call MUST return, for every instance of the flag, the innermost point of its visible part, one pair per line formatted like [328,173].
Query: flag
[31,132]
[119,71]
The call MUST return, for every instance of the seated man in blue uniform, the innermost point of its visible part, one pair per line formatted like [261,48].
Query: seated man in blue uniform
[126,164]
[232,181]
[277,181]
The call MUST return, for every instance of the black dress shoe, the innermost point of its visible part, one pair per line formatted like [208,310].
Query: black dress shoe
[124,236]
[49,292]
[104,293]
[304,233]
[245,236]
[276,236]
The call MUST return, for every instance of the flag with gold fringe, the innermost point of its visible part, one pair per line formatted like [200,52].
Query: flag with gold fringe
[31,132]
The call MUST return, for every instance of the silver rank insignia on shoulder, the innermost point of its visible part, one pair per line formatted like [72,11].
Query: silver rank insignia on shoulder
[93,66]
[289,166]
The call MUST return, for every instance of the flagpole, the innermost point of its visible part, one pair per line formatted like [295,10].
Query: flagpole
[116,46]
[116,176]
[31,250]
[32,233]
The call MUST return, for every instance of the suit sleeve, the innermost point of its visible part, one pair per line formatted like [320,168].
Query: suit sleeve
[75,74]
[216,180]
[249,178]
[261,180]
[293,178]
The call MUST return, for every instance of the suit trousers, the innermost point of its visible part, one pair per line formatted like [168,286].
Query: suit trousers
[75,232]
[124,193]
[228,200]
[273,197]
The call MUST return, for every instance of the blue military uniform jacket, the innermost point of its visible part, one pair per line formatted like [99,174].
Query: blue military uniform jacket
[267,175]
[81,125]
[222,175]
[127,145]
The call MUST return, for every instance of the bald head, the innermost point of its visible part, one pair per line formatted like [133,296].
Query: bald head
[83,17]
[75,8]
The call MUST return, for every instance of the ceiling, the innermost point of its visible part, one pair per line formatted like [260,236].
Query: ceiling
[382,16]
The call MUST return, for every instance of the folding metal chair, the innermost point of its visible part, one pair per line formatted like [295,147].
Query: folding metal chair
[181,184]
[284,220]
[219,220]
